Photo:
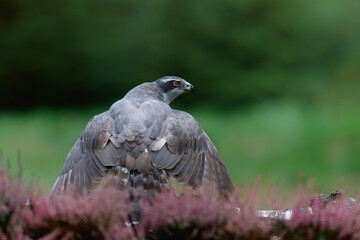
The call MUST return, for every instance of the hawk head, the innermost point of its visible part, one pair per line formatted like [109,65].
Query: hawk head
[171,87]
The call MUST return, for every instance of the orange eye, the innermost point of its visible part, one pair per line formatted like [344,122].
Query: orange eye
[176,84]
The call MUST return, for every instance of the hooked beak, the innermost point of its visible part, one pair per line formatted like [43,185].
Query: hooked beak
[189,87]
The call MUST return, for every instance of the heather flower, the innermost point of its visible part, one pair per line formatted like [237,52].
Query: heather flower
[335,220]
[11,200]
[105,214]
[101,215]
[202,216]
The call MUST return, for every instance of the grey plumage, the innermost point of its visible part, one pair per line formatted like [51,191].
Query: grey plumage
[141,141]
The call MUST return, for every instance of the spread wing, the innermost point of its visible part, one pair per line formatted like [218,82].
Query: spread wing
[142,154]
[91,158]
[185,151]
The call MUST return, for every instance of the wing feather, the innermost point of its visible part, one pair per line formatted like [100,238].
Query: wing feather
[199,158]
[91,157]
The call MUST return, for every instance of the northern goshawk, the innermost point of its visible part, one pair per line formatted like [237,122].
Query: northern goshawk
[140,142]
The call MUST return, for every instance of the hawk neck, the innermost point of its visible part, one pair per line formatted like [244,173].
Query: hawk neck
[145,92]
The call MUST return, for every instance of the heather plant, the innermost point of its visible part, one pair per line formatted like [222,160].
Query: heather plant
[101,215]
[323,219]
[11,201]
[203,216]
[104,214]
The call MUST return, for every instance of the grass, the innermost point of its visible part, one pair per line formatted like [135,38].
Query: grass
[286,143]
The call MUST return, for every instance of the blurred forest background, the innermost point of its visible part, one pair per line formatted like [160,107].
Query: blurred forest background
[277,82]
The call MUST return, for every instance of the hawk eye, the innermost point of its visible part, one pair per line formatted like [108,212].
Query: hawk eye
[176,83]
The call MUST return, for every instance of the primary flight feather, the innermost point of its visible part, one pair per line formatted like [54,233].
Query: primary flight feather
[140,142]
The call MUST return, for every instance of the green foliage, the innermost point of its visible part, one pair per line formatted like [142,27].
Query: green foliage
[234,52]
[284,142]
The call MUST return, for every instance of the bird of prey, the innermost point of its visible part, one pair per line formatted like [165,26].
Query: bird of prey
[140,142]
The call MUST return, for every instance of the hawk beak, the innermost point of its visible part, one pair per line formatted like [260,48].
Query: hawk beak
[189,87]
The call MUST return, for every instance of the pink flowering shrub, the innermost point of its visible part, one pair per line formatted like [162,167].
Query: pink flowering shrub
[204,216]
[11,201]
[104,214]
[101,215]
[335,220]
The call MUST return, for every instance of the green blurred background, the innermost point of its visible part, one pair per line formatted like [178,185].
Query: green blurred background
[277,82]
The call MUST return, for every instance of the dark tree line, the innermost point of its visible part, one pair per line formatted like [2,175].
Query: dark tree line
[239,52]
